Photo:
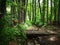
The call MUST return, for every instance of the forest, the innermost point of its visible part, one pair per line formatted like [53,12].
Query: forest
[19,16]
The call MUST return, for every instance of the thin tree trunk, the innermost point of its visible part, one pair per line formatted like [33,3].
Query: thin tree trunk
[59,13]
[33,10]
[47,11]
[29,12]
[54,12]
[40,9]
[19,12]
[2,8]
[13,12]
[2,14]
[43,12]
[24,10]
[51,12]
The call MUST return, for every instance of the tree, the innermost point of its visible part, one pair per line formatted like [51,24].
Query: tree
[59,13]
[21,10]
[13,12]
[2,9]
[2,14]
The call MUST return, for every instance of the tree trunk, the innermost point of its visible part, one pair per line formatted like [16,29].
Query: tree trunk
[43,19]
[13,12]
[2,8]
[2,13]
[21,11]
[59,13]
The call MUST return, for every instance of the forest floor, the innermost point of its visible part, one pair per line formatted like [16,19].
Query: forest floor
[48,29]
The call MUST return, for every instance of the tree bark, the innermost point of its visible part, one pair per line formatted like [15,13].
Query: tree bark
[2,12]
[21,11]
[59,13]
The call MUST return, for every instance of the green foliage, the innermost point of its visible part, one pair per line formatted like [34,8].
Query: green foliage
[29,23]
[10,33]
[22,29]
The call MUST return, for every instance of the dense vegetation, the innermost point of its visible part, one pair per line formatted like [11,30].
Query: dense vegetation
[18,15]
